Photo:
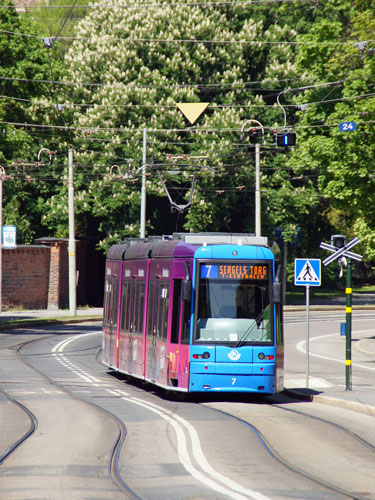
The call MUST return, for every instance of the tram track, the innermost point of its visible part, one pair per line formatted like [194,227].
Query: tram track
[113,465]
[293,468]
[114,470]
[33,425]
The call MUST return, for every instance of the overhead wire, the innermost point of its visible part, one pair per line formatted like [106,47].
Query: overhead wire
[148,5]
[256,42]
[212,105]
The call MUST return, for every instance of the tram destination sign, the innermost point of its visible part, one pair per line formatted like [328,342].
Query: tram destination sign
[235,271]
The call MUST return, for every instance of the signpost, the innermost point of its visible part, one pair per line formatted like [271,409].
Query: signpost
[338,253]
[307,272]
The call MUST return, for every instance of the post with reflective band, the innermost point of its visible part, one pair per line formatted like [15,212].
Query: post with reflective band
[348,362]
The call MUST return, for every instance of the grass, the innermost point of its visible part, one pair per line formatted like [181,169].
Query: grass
[324,293]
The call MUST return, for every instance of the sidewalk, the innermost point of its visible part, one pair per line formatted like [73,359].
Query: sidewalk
[11,319]
[360,399]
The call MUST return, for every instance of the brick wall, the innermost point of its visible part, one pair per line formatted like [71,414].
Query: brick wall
[25,273]
[37,276]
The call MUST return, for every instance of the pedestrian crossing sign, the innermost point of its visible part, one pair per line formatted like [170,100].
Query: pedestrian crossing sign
[307,272]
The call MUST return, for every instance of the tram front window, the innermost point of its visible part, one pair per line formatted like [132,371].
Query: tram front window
[233,307]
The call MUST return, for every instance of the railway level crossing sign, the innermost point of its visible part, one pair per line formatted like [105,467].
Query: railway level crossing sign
[338,253]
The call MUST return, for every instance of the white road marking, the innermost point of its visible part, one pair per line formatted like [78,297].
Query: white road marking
[212,479]
[301,348]
[236,492]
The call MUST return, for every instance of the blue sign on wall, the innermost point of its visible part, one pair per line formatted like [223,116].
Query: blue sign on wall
[9,237]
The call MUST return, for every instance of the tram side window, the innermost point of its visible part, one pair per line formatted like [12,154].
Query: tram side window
[150,307]
[185,335]
[156,308]
[176,310]
[114,305]
[107,302]
[132,307]
[163,309]
[124,306]
[279,325]
[140,301]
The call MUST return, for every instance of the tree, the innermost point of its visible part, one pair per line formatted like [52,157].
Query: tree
[130,71]
[24,65]
[341,161]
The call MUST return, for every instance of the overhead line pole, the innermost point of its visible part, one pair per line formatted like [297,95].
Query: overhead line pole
[2,176]
[143,189]
[258,216]
[72,241]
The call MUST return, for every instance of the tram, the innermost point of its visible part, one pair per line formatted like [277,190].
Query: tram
[195,312]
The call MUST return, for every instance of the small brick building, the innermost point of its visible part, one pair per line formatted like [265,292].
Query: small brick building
[37,276]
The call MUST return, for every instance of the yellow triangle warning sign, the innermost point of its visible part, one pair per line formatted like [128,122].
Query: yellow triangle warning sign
[192,110]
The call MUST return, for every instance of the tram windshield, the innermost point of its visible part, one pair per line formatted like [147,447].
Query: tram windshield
[233,304]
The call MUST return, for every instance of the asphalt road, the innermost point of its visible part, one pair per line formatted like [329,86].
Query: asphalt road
[210,448]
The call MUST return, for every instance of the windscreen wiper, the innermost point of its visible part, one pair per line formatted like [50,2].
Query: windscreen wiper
[249,330]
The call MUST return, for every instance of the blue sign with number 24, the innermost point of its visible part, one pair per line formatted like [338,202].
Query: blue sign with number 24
[347,126]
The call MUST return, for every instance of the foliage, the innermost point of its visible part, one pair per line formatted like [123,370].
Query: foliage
[125,73]
[130,73]
[24,65]
[341,161]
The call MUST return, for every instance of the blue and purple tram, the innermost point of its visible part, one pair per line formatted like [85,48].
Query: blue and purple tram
[195,312]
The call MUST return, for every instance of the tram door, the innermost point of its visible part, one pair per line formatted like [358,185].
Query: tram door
[152,329]
[156,366]
[111,307]
[179,347]
[132,325]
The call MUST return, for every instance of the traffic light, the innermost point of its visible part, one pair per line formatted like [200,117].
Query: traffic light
[254,134]
[338,240]
[286,140]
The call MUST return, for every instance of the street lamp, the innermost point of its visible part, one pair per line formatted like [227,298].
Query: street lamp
[257,177]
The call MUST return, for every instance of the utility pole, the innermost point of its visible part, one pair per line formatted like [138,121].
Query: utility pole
[72,242]
[2,177]
[143,189]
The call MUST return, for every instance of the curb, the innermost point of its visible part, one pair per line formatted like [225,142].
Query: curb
[328,400]
[25,323]
[359,347]
[327,307]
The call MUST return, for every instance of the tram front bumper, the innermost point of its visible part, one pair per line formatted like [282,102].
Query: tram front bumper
[232,377]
